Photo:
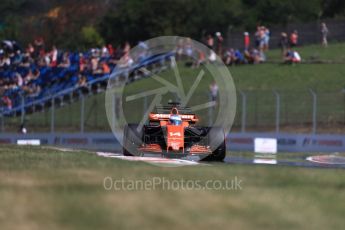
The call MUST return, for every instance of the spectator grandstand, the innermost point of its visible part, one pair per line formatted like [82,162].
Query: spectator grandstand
[31,78]
[31,74]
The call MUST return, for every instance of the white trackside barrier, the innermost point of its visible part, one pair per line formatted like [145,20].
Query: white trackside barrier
[265,150]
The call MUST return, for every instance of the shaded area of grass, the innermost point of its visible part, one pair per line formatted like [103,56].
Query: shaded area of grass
[42,188]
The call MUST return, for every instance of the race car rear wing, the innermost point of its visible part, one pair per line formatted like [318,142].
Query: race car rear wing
[167,109]
[165,117]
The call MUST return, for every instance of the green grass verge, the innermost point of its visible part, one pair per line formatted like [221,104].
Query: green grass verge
[48,189]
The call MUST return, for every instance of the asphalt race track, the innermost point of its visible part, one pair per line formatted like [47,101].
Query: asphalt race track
[300,160]
[297,162]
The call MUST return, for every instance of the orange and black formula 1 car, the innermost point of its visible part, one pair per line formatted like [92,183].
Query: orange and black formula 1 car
[172,132]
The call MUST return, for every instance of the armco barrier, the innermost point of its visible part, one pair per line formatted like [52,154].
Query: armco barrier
[91,141]
[235,141]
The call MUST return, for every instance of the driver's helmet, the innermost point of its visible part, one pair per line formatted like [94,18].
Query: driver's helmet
[175,119]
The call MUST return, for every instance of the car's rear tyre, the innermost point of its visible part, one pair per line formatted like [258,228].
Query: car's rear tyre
[132,140]
[217,135]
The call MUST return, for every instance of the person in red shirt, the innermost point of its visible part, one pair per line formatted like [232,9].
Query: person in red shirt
[246,40]
[53,57]
[105,67]
[294,39]
[110,49]
[30,49]
[82,62]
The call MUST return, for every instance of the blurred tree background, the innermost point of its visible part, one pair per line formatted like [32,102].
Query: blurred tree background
[79,24]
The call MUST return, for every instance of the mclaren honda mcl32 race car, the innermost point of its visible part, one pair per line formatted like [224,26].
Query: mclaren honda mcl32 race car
[173,132]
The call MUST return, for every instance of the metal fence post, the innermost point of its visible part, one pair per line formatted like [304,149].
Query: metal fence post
[210,112]
[2,122]
[277,110]
[52,118]
[314,95]
[343,91]
[22,109]
[96,113]
[244,112]
[82,111]
[113,114]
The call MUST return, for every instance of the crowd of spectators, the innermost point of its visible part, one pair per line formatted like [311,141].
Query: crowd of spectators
[253,53]
[230,56]
[38,70]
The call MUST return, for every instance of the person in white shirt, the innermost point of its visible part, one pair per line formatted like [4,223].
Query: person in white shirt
[324,32]
[214,91]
